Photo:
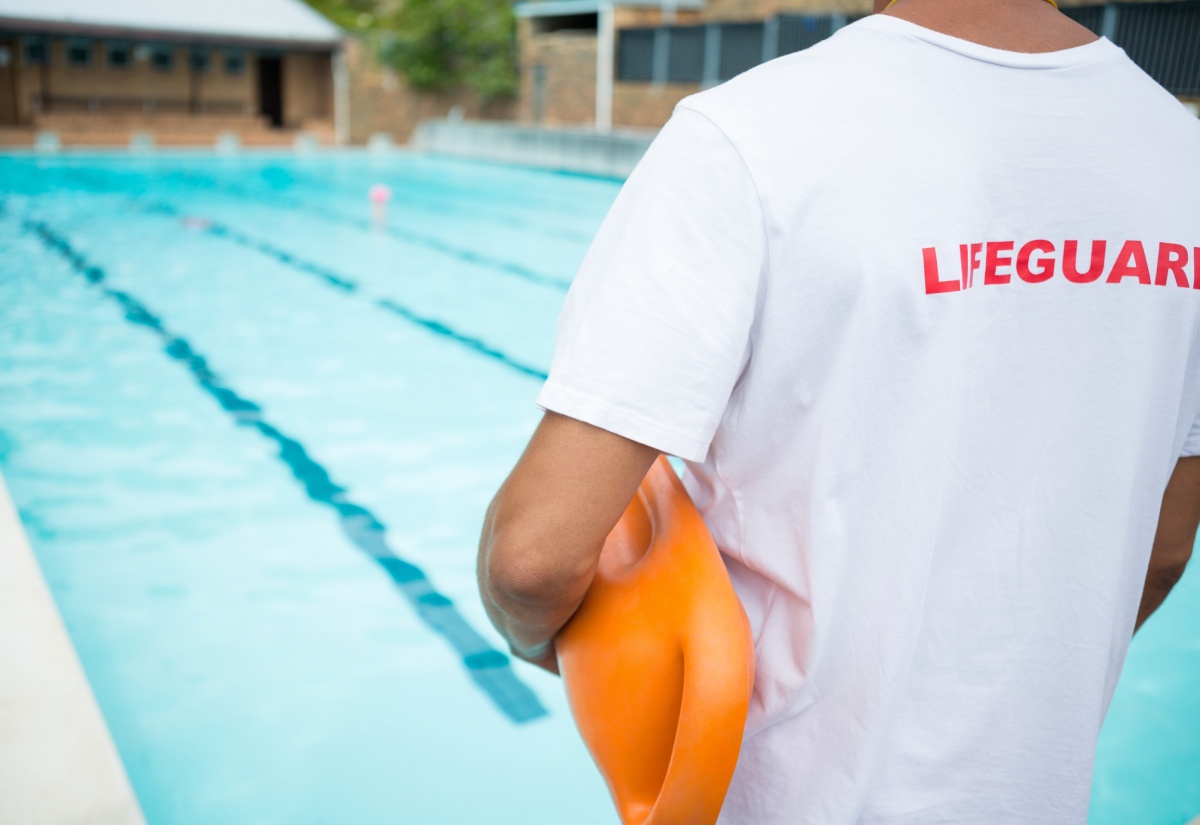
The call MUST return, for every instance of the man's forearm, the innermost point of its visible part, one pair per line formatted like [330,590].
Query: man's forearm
[1175,536]
[1159,583]
[545,529]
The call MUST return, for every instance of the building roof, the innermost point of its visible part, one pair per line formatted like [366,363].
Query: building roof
[258,21]
[566,8]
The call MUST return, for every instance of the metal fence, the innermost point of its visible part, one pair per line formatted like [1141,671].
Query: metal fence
[685,55]
[798,32]
[635,54]
[1162,38]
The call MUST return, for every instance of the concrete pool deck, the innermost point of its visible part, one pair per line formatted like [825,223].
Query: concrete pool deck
[58,764]
[561,148]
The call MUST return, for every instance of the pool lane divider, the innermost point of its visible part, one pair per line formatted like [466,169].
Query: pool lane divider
[304,205]
[490,669]
[347,285]
[440,246]
[419,239]
[445,204]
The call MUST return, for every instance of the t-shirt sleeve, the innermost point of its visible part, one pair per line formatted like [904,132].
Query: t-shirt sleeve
[656,326]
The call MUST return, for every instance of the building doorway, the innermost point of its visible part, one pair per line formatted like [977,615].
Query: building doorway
[8,82]
[270,90]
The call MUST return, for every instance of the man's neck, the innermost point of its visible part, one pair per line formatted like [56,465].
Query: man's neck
[1014,25]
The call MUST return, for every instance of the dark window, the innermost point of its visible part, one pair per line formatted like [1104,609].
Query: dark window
[1091,17]
[741,48]
[162,58]
[568,22]
[635,54]
[685,55]
[199,59]
[1164,39]
[36,51]
[797,32]
[79,52]
[235,62]
[119,55]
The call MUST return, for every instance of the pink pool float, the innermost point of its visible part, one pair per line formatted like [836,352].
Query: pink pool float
[379,194]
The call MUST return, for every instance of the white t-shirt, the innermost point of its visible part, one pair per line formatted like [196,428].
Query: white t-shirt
[923,317]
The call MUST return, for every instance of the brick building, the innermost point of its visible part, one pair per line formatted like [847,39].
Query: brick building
[180,71]
[567,45]
[564,45]
[612,63]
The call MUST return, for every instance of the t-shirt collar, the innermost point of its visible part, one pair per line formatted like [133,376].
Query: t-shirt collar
[1064,58]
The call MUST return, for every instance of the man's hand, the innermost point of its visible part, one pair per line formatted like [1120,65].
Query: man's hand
[1176,535]
[544,530]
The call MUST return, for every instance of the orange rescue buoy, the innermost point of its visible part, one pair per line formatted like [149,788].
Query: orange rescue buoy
[658,661]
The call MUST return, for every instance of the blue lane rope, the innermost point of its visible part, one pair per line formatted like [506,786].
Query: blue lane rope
[350,286]
[490,669]
[279,192]
[98,182]
[432,242]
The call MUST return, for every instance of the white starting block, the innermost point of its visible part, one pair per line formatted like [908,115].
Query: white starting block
[305,144]
[380,143]
[141,142]
[47,142]
[227,143]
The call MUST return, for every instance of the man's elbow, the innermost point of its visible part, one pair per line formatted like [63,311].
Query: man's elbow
[529,572]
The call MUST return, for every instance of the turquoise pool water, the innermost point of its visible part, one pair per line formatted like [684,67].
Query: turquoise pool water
[252,437]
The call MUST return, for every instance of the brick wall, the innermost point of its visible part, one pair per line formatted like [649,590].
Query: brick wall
[307,89]
[716,10]
[139,79]
[380,100]
[626,17]
[217,84]
[558,76]
[563,65]
[647,105]
[307,83]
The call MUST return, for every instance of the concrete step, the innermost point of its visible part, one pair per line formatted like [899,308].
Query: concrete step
[16,138]
[11,138]
[79,123]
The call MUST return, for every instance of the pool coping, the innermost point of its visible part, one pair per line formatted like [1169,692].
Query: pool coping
[570,149]
[58,763]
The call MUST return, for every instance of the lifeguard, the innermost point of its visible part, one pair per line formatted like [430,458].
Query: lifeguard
[917,306]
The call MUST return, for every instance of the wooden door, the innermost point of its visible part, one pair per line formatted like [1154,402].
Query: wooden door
[8,82]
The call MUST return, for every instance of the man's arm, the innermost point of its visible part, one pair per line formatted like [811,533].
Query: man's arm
[1175,537]
[544,530]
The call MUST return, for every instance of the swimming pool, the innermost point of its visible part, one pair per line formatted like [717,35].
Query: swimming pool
[252,435]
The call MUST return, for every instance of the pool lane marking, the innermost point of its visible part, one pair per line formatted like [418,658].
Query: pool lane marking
[418,239]
[443,204]
[490,669]
[447,203]
[351,287]
[440,246]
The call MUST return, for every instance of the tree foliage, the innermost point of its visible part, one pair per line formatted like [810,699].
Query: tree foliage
[444,44]
[352,15]
[439,45]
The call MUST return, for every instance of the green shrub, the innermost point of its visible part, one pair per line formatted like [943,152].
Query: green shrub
[439,45]
[442,45]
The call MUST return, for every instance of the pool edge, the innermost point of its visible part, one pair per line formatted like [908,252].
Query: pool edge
[58,763]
